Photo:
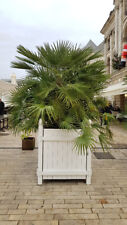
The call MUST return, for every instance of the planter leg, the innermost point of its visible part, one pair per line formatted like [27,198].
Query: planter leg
[39,177]
[88,168]
[39,180]
[88,179]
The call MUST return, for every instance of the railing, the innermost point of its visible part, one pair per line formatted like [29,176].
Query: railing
[118,75]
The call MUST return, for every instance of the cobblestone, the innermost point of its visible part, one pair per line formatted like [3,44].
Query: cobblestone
[72,222]
[23,202]
[43,222]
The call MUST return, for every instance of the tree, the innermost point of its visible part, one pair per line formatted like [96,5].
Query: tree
[60,86]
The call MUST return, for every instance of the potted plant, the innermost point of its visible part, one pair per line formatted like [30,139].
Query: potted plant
[18,120]
[28,142]
[59,91]
[116,62]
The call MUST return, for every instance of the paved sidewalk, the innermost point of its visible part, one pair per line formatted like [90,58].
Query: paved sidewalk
[8,140]
[23,202]
[119,135]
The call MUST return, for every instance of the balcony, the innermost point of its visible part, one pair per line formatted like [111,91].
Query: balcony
[116,85]
[118,75]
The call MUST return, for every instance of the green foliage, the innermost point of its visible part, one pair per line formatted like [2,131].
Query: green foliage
[116,62]
[60,86]
[25,134]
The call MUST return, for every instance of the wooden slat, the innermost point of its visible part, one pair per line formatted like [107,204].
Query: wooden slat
[60,160]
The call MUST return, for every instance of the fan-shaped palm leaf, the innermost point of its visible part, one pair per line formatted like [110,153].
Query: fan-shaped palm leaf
[62,80]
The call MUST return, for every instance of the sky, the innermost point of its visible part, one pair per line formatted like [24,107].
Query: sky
[34,22]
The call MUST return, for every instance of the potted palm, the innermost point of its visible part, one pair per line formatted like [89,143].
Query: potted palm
[28,142]
[19,122]
[59,94]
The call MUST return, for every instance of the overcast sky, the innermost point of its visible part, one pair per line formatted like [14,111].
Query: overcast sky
[33,22]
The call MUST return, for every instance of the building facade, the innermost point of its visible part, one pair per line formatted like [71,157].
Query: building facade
[115,37]
[6,87]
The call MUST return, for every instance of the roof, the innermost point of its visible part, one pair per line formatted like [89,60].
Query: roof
[108,21]
[9,80]
[100,47]
[91,44]
[95,48]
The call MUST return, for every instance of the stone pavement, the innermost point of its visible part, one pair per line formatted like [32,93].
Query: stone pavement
[23,202]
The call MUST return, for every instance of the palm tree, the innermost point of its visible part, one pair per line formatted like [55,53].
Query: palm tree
[60,87]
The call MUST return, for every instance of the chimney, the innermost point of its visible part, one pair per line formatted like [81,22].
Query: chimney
[13,79]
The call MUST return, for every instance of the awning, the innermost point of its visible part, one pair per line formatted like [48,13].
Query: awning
[116,89]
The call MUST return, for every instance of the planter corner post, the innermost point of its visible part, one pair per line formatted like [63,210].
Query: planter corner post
[88,168]
[40,145]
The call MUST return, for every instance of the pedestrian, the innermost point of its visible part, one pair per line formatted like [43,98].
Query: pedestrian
[1,107]
[111,107]
[107,110]
[1,114]
[117,109]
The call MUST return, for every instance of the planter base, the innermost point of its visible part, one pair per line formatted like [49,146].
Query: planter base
[64,175]
[28,143]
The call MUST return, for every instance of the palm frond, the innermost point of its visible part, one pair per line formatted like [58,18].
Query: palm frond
[21,65]
[62,80]
[40,111]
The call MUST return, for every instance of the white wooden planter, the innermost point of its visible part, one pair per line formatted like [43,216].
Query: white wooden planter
[57,158]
